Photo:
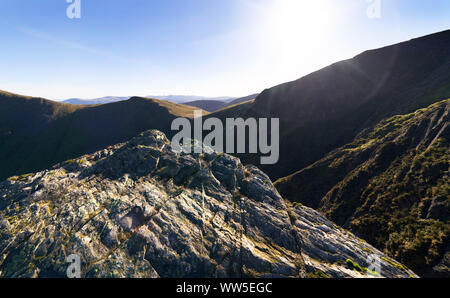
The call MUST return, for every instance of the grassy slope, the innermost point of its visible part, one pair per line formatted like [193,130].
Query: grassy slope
[390,186]
[37,133]
[242,99]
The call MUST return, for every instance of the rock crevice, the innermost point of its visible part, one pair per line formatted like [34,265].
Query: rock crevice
[137,209]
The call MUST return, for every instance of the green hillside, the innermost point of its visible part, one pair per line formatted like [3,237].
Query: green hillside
[390,186]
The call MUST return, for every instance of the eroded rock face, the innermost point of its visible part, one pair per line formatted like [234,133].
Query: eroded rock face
[139,210]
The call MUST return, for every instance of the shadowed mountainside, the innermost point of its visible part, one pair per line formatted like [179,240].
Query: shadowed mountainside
[215,105]
[390,186]
[207,105]
[36,133]
[328,108]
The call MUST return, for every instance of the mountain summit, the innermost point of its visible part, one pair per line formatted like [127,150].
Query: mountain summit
[137,209]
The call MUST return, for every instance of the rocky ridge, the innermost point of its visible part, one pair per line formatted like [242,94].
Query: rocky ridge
[138,209]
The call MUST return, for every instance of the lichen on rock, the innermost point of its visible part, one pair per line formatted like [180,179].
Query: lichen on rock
[138,209]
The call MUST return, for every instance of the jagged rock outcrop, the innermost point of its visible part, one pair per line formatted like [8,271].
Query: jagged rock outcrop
[138,209]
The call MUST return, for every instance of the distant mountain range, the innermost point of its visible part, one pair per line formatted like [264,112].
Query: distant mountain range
[95,101]
[210,104]
[365,141]
[188,98]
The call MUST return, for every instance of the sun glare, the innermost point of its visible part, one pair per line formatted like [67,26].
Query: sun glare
[296,29]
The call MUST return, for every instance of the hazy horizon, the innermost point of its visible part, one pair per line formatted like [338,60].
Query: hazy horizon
[200,48]
[168,97]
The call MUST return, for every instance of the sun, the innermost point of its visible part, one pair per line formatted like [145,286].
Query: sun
[296,23]
[296,28]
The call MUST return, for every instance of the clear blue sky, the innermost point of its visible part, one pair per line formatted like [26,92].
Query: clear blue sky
[192,47]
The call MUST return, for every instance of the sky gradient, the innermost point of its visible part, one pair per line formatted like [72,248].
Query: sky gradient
[192,47]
